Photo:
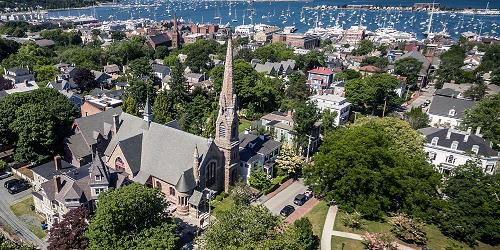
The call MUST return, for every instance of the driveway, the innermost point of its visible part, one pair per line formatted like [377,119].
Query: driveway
[425,94]
[285,197]
[7,217]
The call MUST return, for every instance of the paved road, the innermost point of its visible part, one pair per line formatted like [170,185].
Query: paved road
[426,94]
[285,197]
[11,220]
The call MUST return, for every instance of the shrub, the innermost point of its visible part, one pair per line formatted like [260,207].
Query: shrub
[379,241]
[3,166]
[353,220]
[407,229]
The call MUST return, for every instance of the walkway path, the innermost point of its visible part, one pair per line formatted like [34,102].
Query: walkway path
[328,232]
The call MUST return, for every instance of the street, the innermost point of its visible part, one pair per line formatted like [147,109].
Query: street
[425,94]
[8,218]
[285,197]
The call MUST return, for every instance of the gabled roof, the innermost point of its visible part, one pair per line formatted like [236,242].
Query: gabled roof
[441,106]
[159,39]
[321,71]
[253,146]
[162,69]
[48,170]
[96,122]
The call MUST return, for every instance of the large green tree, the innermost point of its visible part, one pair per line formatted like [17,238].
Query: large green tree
[485,114]
[132,217]
[373,93]
[274,52]
[417,118]
[372,168]
[304,119]
[471,211]
[450,67]
[198,54]
[408,67]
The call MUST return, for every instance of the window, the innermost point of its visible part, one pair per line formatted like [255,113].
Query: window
[434,141]
[98,190]
[475,149]
[450,159]
[222,130]
[158,184]
[119,165]
[210,174]
[171,191]
[182,201]
[452,112]
[454,145]
[98,177]
[489,168]
[432,156]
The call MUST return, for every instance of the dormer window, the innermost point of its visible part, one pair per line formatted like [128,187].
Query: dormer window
[475,149]
[452,112]
[454,145]
[98,177]
[434,141]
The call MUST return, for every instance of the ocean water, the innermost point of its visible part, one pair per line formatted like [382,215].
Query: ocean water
[293,13]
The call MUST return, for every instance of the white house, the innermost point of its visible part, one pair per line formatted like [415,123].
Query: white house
[447,112]
[334,103]
[257,150]
[449,148]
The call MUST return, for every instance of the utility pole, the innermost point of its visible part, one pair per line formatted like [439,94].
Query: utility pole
[385,104]
[308,146]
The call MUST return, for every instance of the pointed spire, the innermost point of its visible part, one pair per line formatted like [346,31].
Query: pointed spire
[148,112]
[175,28]
[227,91]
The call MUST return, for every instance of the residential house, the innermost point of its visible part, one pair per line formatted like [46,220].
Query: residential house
[101,78]
[18,75]
[448,148]
[160,71]
[101,100]
[90,136]
[257,151]
[320,78]
[60,187]
[369,70]
[448,112]
[113,70]
[281,126]
[423,74]
[471,62]
[333,103]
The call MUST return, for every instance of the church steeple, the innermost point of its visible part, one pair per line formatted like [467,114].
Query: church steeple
[176,41]
[226,134]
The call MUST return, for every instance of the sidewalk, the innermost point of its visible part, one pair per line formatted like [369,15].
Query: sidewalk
[302,210]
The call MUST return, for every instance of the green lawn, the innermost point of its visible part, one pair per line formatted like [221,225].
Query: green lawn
[317,216]
[436,240]
[23,210]
[349,244]
[244,124]
[223,205]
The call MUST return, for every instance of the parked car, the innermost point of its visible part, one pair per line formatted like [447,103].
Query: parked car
[300,199]
[5,175]
[19,187]
[10,183]
[427,102]
[287,210]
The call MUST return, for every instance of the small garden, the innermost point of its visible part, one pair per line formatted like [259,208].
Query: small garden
[25,211]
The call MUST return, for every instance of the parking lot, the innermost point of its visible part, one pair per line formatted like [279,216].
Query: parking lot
[425,94]
[11,198]
[285,197]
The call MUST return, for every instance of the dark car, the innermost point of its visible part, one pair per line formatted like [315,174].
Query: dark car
[300,199]
[5,175]
[287,210]
[18,188]
[12,182]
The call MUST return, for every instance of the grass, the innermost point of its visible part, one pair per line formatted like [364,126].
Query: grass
[349,244]
[24,209]
[26,171]
[224,205]
[435,239]
[244,124]
[317,216]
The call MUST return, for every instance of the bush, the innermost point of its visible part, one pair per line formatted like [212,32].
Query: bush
[408,230]
[379,241]
[3,166]
[221,196]
[353,220]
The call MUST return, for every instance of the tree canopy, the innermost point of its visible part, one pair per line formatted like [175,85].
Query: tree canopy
[69,233]
[372,168]
[408,67]
[132,217]
[485,114]
[273,52]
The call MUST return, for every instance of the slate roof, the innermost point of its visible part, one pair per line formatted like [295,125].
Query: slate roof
[196,198]
[253,146]
[447,92]
[484,145]
[48,170]
[96,123]
[112,68]
[163,69]
[159,39]
[164,152]
[19,71]
[441,106]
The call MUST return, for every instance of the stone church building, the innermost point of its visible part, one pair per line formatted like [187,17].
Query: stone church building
[181,164]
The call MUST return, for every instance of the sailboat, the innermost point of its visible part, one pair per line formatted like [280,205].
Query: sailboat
[429,27]
[235,19]
[217,16]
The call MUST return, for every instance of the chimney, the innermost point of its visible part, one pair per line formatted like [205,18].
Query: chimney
[289,113]
[466,137]
[57,184]
[57,162]
[116,123]
[246,131]
[469,130]
[448,135]
[478,131]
